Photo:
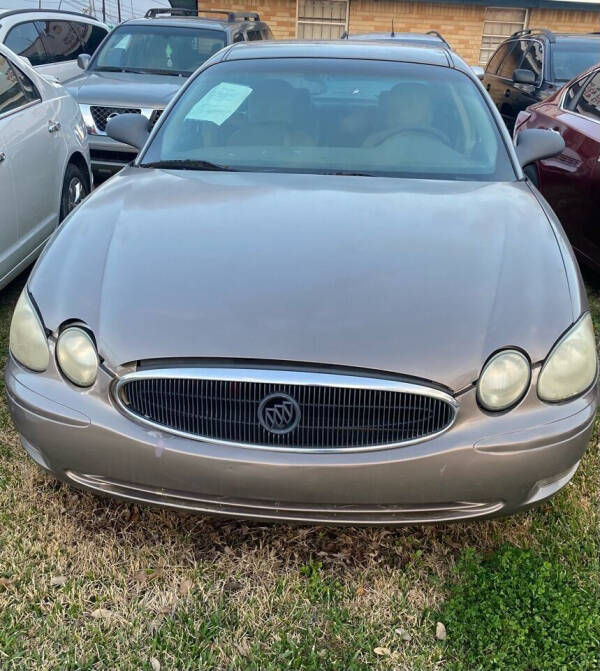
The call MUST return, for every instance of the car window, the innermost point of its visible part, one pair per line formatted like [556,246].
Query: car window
[588,103]
[28,86]
[253,35]
[314,115]
[25,40]
[511,61]
[238,37]
[496,59]
[12,95]
[60,40]
[157,49]
[90,36]
[570,57]
[533,59]
[573,92]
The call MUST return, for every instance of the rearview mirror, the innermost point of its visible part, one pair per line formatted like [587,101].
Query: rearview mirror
[521,76]
[535,144]
[83,60]
[478,71]
[131,129]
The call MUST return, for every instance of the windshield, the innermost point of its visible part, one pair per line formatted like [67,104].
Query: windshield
[569,58]
[158,49]
[334,116]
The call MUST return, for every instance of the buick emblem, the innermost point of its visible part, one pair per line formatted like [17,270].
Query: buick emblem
[112,116]
[278,413]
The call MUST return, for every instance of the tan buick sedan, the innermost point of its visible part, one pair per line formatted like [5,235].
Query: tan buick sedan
[323,292]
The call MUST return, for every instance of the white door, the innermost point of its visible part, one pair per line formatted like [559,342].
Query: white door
[9,224]
[36,154]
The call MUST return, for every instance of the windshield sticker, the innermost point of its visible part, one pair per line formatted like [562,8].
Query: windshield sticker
[219,103]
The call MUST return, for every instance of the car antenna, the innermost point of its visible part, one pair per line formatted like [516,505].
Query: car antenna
[392,33]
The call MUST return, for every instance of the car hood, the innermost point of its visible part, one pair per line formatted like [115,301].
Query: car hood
[124,89]
[415,277]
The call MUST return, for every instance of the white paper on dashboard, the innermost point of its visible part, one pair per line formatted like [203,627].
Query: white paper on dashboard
[219,103]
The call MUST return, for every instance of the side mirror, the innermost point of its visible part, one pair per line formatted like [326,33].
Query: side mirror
[535,144]
[83,60]
[131,129]
[521,76]
[478,71]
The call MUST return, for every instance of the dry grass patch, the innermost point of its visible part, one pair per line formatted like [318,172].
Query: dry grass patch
[132,584]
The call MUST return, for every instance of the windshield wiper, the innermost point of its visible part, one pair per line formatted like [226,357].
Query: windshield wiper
[173,73]
[114,68]
[346,173]
[187,164]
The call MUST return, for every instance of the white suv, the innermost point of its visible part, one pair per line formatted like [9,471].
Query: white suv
[51,39]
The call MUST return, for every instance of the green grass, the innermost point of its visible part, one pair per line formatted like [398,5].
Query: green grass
[144,585]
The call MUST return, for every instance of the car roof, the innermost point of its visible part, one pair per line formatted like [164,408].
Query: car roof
[179,21]
[576,37]
[366,50]
[174,16]
[413,37]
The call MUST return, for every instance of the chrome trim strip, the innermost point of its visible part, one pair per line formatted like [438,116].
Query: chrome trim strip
[271,510]
[283,377]
[16,110]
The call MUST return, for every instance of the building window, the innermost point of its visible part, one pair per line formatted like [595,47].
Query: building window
[498,24]
[321,19]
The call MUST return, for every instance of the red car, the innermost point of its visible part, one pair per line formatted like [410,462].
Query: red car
[570,182]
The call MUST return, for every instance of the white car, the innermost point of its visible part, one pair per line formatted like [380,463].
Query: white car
[51,39]
[44,161]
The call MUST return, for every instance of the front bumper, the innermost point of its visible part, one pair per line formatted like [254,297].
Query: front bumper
[484,466]
[109,156]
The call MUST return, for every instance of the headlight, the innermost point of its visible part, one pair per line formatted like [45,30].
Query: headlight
[503,380]
[571,365]
[27,339]
[77,357]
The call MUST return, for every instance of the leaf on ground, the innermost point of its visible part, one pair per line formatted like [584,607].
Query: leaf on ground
[440,631]
[382,652]
[147,576]
[404,635]
[185,587]
[58,581]
[155,664]
[102,614]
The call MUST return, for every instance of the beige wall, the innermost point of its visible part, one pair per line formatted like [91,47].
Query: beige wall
[461,25]
[279,14]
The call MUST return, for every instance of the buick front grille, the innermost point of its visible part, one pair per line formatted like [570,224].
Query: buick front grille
[285,409]
[102,114]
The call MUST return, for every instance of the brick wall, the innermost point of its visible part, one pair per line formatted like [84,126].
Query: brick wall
[279,14]
[565,21]
[461,25]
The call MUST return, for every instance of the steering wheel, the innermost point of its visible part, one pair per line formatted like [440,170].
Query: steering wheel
[431,132]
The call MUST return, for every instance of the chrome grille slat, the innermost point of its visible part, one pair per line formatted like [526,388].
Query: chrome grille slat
[366,413]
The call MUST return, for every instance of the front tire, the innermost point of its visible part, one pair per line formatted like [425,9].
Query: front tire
[74,190]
